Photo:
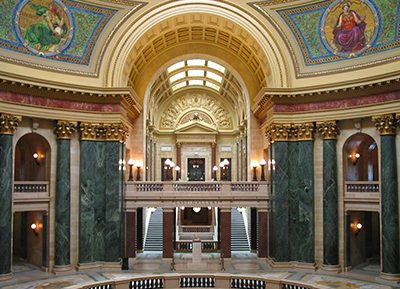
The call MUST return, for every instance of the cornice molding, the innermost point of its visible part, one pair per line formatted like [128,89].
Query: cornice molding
[57,90]
[267,97]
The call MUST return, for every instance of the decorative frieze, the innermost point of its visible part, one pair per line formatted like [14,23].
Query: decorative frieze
[290,132]
[9,123]
[64,129]
[328,129]
[107,132]
[386,124]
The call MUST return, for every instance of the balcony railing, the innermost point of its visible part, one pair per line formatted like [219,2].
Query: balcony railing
[31,187]
[362,187]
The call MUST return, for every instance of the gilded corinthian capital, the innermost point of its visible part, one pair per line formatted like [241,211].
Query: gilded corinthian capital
[290,132]
[64,129]
[386,124]
[8,123]
[101,131]
[328,129]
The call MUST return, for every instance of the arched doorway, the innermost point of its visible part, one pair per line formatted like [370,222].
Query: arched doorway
[31,200]
[361,201]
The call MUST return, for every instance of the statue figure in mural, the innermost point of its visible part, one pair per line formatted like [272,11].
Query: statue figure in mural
[349,30]
[48,33]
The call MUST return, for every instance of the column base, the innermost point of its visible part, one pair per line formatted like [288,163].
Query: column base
[291,265]
[62,269]
[333,269]
[6,276]
[393,278]
[81,267]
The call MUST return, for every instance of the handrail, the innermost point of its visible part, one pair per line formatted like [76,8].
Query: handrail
[362,187]
[31,186]
[218,280]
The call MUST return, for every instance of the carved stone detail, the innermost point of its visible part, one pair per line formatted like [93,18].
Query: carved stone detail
[386,124]
[9,123]
[108,132]
[328,129]
[290,132]
[64,129]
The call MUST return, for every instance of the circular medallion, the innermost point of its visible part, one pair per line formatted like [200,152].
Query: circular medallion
[349,28]
[44,27]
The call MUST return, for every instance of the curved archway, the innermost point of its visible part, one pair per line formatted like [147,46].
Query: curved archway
[360,153]
[32,158]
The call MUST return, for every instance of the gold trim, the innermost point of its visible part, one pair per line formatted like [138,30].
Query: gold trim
[9,123]
[328,129]
[290,132]
[104,132]
[386,124]
[64,129]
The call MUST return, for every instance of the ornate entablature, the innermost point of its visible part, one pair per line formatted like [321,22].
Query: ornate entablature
[104,132]
[196,107]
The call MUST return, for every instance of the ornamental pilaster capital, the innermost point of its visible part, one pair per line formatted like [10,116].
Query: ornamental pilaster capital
[101,131]
[179,144]
[328,129]
[386,124]
[64,129]
[9,123]
[290,132]
[304,131]
[213,144]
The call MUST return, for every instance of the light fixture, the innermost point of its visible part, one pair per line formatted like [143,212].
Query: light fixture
[138,164]
[196,209]
[33,227]
[226,162]
[131,162]
[359,227]
[254,165]
[177,169]
[35,157]
[182,208]
[215,169]
[357,156]
[262,164]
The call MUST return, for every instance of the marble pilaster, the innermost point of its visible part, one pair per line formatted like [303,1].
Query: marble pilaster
[8,124]
[130,235]
[262,234]
[386,124]
[225,226]
[63,131]
[168,232]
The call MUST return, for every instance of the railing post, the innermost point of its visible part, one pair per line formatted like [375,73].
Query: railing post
[222,281]
[121,284]
[171,281]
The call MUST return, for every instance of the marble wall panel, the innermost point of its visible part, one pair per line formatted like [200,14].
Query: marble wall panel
[5,202]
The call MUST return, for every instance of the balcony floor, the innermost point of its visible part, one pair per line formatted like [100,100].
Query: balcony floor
[364,276]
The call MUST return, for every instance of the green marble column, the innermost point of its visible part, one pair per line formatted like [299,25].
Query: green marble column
[63,203]
[389,206]
[100,194]
[386,124]
[330,203]
[5,202]
[282,202]
[8,124]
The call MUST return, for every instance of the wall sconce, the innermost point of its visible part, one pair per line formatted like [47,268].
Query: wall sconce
[35,157]
[177,169]
[254,165]
[196,209]
[33,227]
[359,227]
[215,169]
[262,164]
[131,162]
[357,155]
[138,165]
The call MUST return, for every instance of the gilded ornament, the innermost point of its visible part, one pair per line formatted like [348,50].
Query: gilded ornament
[386,124]
[64,129]
[9,123]
[328,129]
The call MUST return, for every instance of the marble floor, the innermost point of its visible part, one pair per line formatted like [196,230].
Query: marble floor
[364,276]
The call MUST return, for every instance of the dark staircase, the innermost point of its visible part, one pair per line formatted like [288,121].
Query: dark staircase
[154,237]
[239,241]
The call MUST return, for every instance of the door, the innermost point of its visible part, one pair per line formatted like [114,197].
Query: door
[196,170]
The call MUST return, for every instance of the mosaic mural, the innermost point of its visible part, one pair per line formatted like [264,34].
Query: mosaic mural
[62,30]
[329,31]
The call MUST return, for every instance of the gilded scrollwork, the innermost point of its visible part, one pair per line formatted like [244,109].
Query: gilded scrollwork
[328,129]
[64,129]
[107,132]
[9,123]
[386,124]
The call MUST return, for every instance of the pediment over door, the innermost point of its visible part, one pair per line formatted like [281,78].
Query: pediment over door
[196,131]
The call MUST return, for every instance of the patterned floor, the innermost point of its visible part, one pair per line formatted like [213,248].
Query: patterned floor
[365,276]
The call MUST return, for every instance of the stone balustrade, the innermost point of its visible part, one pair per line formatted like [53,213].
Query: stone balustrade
[218,280]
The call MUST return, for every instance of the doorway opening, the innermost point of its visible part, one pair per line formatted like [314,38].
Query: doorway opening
[196,171]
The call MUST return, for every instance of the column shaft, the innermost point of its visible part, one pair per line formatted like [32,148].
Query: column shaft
[262,234]
[168,232]
[226,233]
[130,236]
[5,203]
[63,203]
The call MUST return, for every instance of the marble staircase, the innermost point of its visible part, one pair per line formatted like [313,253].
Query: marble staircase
[154,237]
[239,241]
